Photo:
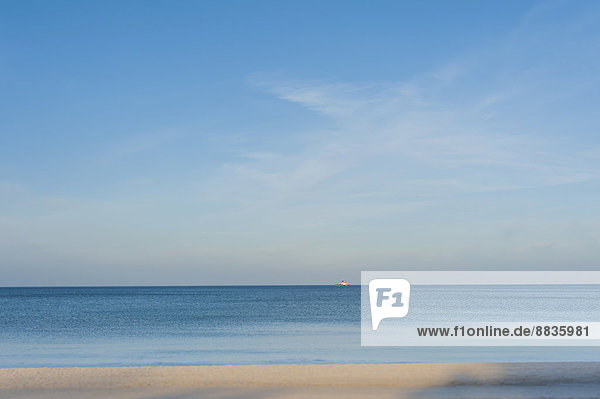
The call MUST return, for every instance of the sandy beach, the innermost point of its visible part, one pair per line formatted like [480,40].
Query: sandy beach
[506,380]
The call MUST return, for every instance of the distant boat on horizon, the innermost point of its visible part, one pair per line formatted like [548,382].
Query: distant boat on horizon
[342,284]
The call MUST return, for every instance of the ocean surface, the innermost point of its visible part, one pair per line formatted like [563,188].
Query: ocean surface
[132,326]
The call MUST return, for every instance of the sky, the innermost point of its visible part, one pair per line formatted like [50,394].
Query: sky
[300,142]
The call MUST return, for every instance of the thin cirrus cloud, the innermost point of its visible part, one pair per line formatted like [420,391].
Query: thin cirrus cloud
[139,144]
[416,131]
[499,119]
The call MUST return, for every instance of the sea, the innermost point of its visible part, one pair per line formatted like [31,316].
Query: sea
[220,325]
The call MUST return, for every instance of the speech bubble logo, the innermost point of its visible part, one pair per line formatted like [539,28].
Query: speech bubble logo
[390,297]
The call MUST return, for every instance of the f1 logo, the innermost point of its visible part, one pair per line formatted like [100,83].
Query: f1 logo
[389,297]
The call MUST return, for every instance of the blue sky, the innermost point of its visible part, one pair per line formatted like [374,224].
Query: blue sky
[295,142]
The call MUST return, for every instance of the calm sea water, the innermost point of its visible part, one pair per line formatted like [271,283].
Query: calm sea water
[120,326]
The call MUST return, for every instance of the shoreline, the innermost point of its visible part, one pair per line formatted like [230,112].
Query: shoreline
[326,380]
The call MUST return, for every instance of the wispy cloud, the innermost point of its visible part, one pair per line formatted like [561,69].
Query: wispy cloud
[139,143]
[428,137]
[485,119]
